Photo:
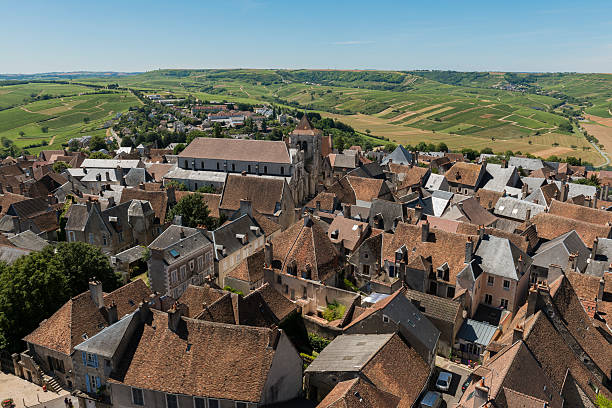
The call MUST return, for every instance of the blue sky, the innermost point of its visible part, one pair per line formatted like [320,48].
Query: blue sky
[536,35]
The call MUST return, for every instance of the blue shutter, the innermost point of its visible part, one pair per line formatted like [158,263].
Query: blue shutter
[97,382]
[95,358]
[87,383]
[84,358]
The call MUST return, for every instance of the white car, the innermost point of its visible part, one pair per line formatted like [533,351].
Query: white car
[444,381]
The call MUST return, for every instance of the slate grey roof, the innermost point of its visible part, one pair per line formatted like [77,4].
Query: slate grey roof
[106,342]
[345,161]
[516,209]
[439,201]
[476,332]
[526,163]
[132,254]
[369,170]
[497,178]
[603,257]
[28,240]
[388,210]
[206,176]
[10,254]
[433,306]
[77,217]
[226,235]
[434,182]
[104,174]
[349,352]
[499,256]
[135,176]
[577,189]
[400,156]
[533,183]
[171,242]
[557,251]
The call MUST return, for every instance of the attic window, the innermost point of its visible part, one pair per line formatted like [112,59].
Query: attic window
[131,302]
[334,234]
[188,347]
[175,254]
[84,336]
[385,319]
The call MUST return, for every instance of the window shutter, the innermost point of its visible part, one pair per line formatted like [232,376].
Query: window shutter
[95,359]
[97,382]
[84,358]
[87,383]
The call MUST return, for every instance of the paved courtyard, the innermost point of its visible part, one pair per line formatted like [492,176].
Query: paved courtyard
[27,394]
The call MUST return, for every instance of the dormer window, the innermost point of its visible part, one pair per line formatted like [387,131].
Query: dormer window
[334,234]
[386,319]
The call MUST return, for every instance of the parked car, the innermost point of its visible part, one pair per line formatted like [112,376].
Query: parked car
[466,384]
[444,381]
[432,399]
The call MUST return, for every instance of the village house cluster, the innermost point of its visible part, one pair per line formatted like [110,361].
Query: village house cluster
[394,260]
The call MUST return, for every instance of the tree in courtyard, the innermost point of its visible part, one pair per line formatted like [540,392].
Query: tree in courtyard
[60,166]
[97,142]
[194,212]
[99,155]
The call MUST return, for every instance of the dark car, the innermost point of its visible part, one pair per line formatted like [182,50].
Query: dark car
[466,384]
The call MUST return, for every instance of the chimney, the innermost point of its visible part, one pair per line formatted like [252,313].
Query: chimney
[564,191]
[524,190]
[528,213]
[594,250]
[600,290]
[182,233]
[481,231]
[111,311]
[469,250]
[517,334]
[481,394]
[307,221]
[346,209]
[268,254]
[177,220]
[424,231]
[318,204]
[571,262]
[418,212]
[95,290]
[532,301]
[504,164]
[246,207]
[174,316]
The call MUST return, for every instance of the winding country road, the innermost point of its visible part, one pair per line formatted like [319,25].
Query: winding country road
[603,154]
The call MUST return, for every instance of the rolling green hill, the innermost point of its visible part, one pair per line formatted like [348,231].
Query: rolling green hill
[504,111]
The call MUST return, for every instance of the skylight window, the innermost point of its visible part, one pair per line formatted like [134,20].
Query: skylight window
[174,253]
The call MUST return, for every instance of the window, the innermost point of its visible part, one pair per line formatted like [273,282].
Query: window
[490,281]
[265,169]
[183,272]
[241,405]
[249,168]
[91,238]
[279,280]
[71,236]
[120,236]
[488,299]
[192,264]
[202,164]
[171,401]
[213,403]
[201,262]
[366,270]
[173,276]
[199,402]
[137,396]
[104,240]
[391,271]
[217,165]
[186,164]
[504,303]
[233,167]
[385,319]
[450,292]
[282,170]
[506,284]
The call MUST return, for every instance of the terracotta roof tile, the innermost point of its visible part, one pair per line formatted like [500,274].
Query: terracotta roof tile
[358,393]
[551,226]
[264,193]
[157,199]
[580,213]
[464,173]
[237,149]
[212,201]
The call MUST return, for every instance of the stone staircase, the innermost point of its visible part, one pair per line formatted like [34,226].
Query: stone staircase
[53,384]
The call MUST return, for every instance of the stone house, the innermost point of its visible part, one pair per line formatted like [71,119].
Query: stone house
[270,197]
[397,313]
[114,229]
[180,256]
[238,366]
[465,178]
[50,347]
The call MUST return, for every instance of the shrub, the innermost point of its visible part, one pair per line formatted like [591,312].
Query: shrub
[317,343]
[334,311]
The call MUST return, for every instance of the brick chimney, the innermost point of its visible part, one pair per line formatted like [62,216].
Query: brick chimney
[600,290]
[174,316]
[111,313]
[346,209]
[517,334]
[95,290]
[532,301]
